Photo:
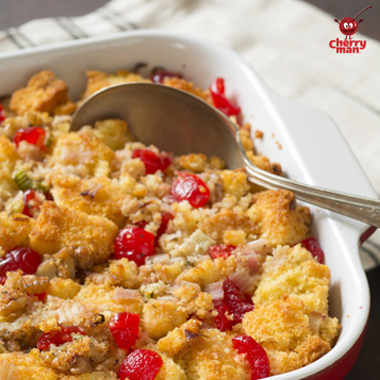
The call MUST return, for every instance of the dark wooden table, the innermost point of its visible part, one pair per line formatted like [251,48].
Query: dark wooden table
[16,12]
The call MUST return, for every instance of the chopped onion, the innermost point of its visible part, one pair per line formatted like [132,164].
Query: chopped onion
[8,371]
[16,325]
[176,234]
[195,260]
[168,299]
[182,283]
[126,294]
[168,199]
[156,259]
[259,245]
[243,280]
[166,208]
[215,289]
[175,260]
[315,321]
[71,313]
[251,255]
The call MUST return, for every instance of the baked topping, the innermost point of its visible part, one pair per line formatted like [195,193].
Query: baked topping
[118,260]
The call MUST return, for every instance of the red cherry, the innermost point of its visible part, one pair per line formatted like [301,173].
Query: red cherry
[221,321]
[222,250]
[23,258]
[125,329]
[238,302]
[40,296]
[142,224]
[32,204]
[159,74]
[32,135]
[3,115]
[48,196]
[314,248]
[235,303]
[165,218]
[140,365]
[58,337]
[255,354]
[220,100]
[135,244]
[191,188]
[151,161]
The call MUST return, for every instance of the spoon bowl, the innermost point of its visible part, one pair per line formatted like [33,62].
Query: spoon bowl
[171,119]
[177,121]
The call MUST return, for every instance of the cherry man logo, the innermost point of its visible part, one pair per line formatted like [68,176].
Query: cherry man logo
[349,26]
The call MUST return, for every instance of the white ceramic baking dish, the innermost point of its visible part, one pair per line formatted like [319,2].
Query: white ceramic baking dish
[305,141]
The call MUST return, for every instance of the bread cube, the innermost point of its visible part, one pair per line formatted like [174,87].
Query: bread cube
[113,132]
[28,366]
[58,227]
[235,182]
[83,151]
[65,288]
[283,329]
[14,230]
[294,273]
[215,226]
[96,80]
[279,219]
[96,196]
[211,356]
[44,93]
[161,316]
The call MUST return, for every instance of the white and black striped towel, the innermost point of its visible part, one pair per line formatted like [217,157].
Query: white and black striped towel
[285,41]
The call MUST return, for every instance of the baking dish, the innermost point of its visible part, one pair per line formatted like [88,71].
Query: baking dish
[305,141]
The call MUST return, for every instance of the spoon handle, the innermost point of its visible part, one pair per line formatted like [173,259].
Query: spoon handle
[366,210]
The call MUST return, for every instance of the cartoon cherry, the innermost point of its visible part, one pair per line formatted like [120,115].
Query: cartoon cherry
[349,26]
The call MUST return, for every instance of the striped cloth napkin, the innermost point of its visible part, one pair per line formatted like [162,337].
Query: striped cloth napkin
[285,41]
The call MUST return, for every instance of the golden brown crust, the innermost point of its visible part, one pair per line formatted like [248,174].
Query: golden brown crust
[212,357]
[59,227]
[225,220]
[30,366]
[96,196]
[280,220]
[290,319]
[235,182]
[209,271]
[44,93]
[108,297]
[263,163]
[187,86]
[293,272]
[98,188]
[65,288]
[179,338]
[84,152]
[283,329]
[96,80]
[14,230]
[193,162]
[161,316]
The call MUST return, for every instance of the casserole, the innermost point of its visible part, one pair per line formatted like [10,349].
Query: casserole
[305,141]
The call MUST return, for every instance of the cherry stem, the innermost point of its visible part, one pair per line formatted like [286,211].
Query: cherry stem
[369,6]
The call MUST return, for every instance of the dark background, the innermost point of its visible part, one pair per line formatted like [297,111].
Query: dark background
[16,12]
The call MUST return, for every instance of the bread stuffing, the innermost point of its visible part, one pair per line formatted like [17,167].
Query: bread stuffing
[122,261]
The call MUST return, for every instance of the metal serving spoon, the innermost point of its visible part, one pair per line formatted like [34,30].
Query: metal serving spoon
[176,121]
